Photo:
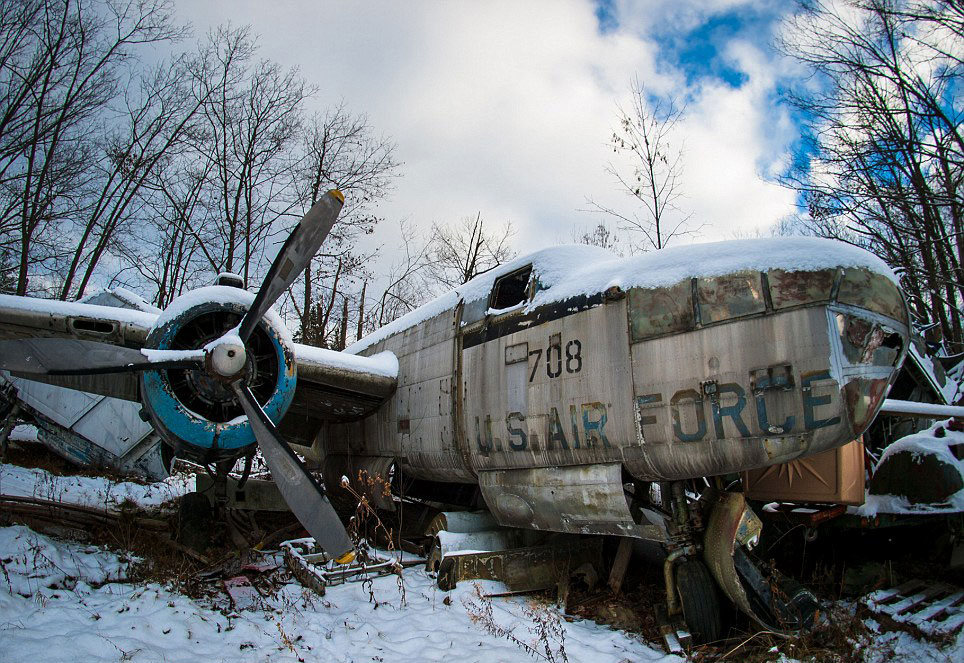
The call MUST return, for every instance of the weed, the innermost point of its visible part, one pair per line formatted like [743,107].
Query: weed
[287,641]
[367,521]
[545,625]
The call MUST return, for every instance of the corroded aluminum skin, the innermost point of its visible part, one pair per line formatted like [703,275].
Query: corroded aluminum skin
[28,318]
[418,425]
[691,431]
[724,395]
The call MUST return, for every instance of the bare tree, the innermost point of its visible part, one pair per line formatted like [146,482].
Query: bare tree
[158,109]
[600,235]
[172,255]
[251,114]
[886,151]
[645,133]
[60,66]
[405,290]
[462,252]
[339,150]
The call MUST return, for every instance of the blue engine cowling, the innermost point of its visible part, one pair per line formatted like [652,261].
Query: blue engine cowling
[195,411]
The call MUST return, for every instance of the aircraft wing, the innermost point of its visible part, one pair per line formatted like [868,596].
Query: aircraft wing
[336,386]
[29,317]
[331,385]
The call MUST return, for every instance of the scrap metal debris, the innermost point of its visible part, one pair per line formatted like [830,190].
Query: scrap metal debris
[244,595]
[313,568]
[932,608]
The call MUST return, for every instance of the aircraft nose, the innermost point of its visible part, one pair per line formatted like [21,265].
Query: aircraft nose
[870,327]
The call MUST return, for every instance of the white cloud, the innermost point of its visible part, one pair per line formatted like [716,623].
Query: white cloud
[506,108]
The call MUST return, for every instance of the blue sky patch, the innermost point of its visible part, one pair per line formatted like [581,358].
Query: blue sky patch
[606,16]
[700,53]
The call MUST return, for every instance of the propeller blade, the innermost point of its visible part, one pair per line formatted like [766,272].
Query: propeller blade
[298,250]
[298,488]
[69,356]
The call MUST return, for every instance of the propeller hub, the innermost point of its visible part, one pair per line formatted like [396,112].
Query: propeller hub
[226,356]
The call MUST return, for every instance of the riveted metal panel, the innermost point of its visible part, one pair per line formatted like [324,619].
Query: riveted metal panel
[416,426]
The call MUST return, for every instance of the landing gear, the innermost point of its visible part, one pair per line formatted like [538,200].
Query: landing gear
[691,593]
[763,593]
[708,543]
[699,601]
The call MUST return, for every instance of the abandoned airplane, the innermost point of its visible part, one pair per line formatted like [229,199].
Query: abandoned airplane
[577,392]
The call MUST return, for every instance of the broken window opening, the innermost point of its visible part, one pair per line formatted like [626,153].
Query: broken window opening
[511,290]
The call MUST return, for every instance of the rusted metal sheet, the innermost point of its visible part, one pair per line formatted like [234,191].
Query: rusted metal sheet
[790,289]
[582,499]
[522,569]
[763,594]
[861,287]
[456,543]
[657,311]
[836,475]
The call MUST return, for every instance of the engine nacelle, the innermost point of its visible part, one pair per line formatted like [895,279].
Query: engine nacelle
[197,408]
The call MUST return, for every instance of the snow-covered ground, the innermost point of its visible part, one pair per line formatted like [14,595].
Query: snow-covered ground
[63,602]
[66,601]
[95,492]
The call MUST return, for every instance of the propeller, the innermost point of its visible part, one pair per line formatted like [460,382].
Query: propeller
[69,356]
[224,359]
[298,488]
[298,250]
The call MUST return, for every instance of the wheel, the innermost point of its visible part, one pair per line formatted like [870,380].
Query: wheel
[195,521]
[700,602]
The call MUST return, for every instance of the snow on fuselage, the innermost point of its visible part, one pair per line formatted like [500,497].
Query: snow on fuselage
[693,361]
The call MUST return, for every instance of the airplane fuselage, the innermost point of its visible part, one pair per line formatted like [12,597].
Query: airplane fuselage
[696,376]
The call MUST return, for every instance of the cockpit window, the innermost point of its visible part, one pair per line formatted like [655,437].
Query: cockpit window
[730,296]
[511,289]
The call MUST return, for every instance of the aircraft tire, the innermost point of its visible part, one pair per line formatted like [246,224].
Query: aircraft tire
[195,521]
[700,601]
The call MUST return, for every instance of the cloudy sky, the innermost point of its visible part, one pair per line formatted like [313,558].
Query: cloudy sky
[506,108]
